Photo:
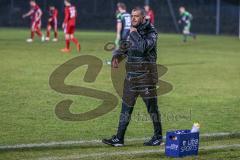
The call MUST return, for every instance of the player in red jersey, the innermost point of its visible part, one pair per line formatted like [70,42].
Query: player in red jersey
[69,26]
[52,23]
[35,14]
[150,14]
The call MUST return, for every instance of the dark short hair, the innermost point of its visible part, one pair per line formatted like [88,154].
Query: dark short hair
[182,7]
[121,5]
[142,11]
[147,5]
[32,1]
[69,1]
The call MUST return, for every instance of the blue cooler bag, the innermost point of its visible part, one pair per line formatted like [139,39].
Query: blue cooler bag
[181,143]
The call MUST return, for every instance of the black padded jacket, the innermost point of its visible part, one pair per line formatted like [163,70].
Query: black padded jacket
[141,55]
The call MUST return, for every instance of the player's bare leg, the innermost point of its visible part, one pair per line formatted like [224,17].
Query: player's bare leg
[29,40]
[48,32]
[193,35]
[39,33]
[55,34]
[75,41]
[67,48]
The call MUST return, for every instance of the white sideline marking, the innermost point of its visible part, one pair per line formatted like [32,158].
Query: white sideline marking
[103,154]
[95,142]
[128,153]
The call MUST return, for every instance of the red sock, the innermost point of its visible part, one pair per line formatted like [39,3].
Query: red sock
[48,33]
[56,35]
[32,35]
[39,33]
[75,41]
[67,43]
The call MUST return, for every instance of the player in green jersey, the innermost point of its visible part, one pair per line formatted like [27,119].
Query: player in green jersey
[185,21]
[123,23]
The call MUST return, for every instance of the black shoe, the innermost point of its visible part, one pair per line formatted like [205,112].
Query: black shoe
[114,141]
[155,141]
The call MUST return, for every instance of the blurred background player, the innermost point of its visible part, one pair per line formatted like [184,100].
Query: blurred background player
[52,23]
[123,23]
[185,21]
[35,14]
[149,14]
[69,26]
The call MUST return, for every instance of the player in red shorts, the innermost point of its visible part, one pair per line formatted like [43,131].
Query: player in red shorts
[52,23]
[35,14]
[69,26]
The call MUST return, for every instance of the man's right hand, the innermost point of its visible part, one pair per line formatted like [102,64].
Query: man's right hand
[133,29]
[115,62]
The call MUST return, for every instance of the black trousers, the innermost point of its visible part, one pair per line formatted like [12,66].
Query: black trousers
[131,92]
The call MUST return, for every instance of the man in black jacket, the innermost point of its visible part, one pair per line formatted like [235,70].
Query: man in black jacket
[141,77]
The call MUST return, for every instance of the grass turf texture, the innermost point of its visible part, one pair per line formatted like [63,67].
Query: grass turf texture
[205,74]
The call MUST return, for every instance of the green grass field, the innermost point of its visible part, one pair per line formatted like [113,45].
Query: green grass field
[204,73]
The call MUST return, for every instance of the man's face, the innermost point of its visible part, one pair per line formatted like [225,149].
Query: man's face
[66,3]
[181,10]
[147,8]
[32,3]
[137,18]
[118,9]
